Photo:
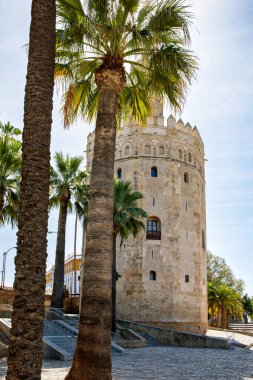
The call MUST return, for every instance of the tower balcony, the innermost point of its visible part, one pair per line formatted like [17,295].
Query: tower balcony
[153,235]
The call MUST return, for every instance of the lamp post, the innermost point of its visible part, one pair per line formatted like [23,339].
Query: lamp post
[4,266]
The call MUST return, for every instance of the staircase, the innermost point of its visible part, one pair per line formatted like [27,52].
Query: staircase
[241,327]
[60,335]
[3,346]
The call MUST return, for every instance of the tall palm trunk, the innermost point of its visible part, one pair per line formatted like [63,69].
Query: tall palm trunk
[224,318]
[92,359]
[58,286]
[114,283]
[219,316]
[227,321]
[26,345]
[1,202]
[82,262]
[212,315]
[75,238]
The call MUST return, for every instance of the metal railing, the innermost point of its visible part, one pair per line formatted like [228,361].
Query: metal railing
[153,235]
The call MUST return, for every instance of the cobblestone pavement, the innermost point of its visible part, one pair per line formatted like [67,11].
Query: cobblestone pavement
[167,363]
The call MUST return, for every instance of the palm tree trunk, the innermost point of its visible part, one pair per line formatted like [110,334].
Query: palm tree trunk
[114,284]
[92,359]
[75,238]
[58,286]
[211,315]
[26,344]
[83,240]
[1,204]
[219,314]
[224,318]
[82,262]
[227,321]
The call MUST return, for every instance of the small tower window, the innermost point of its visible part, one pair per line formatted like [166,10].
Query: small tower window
[119,173]
[154,171]
[186,177]
[187,278]
[152,275]
[189,157]
[153,229]
[180,154]
[127,150]
[161,150]
[203,240]
[147,149]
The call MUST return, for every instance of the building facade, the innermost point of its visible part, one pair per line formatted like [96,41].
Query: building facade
[70,266]
[163,270]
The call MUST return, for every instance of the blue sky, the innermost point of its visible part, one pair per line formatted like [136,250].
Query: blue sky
[219,103]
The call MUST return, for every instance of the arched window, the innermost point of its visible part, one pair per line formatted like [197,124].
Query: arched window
[127,150]
[186,177]
[203,240]
[187,278]
[119,173]
[153,229]
[147,149]
[161,150]
[189,157]
[152,275]
[180,154]
[153,171]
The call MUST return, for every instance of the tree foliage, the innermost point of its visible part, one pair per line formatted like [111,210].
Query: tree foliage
[10,167]
[147,39]
[247,304]
[224,291]
[128,216]
[218,272]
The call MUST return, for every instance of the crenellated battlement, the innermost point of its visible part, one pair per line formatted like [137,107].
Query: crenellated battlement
[155,123]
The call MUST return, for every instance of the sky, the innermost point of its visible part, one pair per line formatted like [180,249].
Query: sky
[219,104]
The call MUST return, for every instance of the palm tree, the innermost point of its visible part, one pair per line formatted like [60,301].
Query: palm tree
[223,300]
[126,221]
[81,208]
[9,130]
[10,166]
[96,44]
[63,183]
[26,344]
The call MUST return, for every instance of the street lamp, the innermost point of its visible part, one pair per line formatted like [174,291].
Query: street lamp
[4,266]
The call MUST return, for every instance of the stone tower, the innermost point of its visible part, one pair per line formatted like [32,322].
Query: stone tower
[163,270]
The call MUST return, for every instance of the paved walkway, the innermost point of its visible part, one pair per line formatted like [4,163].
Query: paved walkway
[171,363]
[167,363]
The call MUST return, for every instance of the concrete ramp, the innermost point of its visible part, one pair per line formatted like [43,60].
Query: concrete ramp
[175,338]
